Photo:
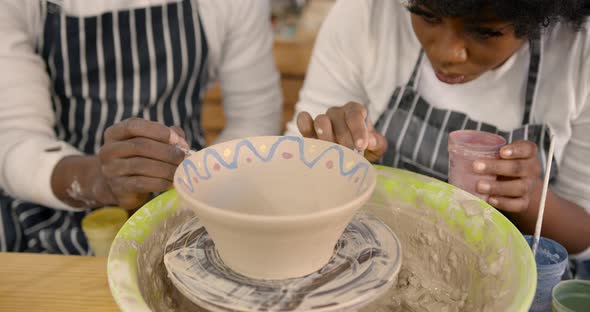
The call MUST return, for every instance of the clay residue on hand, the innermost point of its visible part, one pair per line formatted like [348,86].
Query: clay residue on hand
[75,192]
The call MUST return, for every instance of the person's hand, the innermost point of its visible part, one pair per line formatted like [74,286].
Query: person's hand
[518,171]
[139,157]
[346,126]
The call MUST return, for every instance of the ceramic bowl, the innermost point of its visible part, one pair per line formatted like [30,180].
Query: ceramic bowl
[275,206]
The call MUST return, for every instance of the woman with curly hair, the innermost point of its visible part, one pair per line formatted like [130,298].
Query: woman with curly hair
[424,68]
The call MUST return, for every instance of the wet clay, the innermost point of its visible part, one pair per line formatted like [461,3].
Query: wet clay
[366,261]
[158,291]
[432,277]
[434,274]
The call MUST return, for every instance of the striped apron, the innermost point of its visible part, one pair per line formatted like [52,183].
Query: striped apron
[146,62]
[417,132]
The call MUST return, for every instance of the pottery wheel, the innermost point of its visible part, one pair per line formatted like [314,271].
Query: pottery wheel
[365,264]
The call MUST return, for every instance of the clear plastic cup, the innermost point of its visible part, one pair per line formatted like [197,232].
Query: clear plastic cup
[571,296]
[552,260]
[101,226]
[465,147]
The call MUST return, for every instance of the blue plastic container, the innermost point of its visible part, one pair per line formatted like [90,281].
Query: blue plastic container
[552,260]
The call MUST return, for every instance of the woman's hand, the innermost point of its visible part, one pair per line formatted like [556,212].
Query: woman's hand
[518,192]
[138,157]
[346,126]
[518,171]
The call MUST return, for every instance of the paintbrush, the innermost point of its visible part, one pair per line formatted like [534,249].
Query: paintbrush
[186,151]
[537,235]
[362,152]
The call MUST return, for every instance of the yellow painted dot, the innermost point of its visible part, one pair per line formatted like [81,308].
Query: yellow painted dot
[199,165]
[349,165]
[227,152]
[262,148]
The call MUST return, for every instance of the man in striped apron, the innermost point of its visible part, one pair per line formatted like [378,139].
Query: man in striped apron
[476,51]
[126,86]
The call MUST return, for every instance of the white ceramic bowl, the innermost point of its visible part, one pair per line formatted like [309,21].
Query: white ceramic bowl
[275,206]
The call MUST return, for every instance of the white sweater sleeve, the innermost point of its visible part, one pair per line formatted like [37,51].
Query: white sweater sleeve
[249,80]
[573,181]
[334,77]
[29,149]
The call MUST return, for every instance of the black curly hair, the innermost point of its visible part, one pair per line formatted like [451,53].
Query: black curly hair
[529,17]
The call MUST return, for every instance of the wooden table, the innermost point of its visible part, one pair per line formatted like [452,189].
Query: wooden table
[37,282]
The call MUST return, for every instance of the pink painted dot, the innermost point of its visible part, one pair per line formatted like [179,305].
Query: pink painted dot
[330,164]
[356,180]
[216,167]
[195,180]
[248,160]
[287,155]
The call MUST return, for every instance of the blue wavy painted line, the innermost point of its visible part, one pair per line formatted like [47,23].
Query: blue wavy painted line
[188,165]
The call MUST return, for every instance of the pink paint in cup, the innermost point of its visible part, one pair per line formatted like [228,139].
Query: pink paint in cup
[465,147]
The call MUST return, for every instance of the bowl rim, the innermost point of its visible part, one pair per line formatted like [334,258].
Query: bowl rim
[555,302]
[202,208]
[454,139]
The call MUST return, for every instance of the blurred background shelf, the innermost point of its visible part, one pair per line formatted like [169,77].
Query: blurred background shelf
[292,60]
[296,24]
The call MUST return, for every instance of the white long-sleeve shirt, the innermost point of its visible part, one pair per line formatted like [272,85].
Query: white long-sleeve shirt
[240,45]
[366,49]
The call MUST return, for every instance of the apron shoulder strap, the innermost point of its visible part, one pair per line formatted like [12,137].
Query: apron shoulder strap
[535,58]
[412,81]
